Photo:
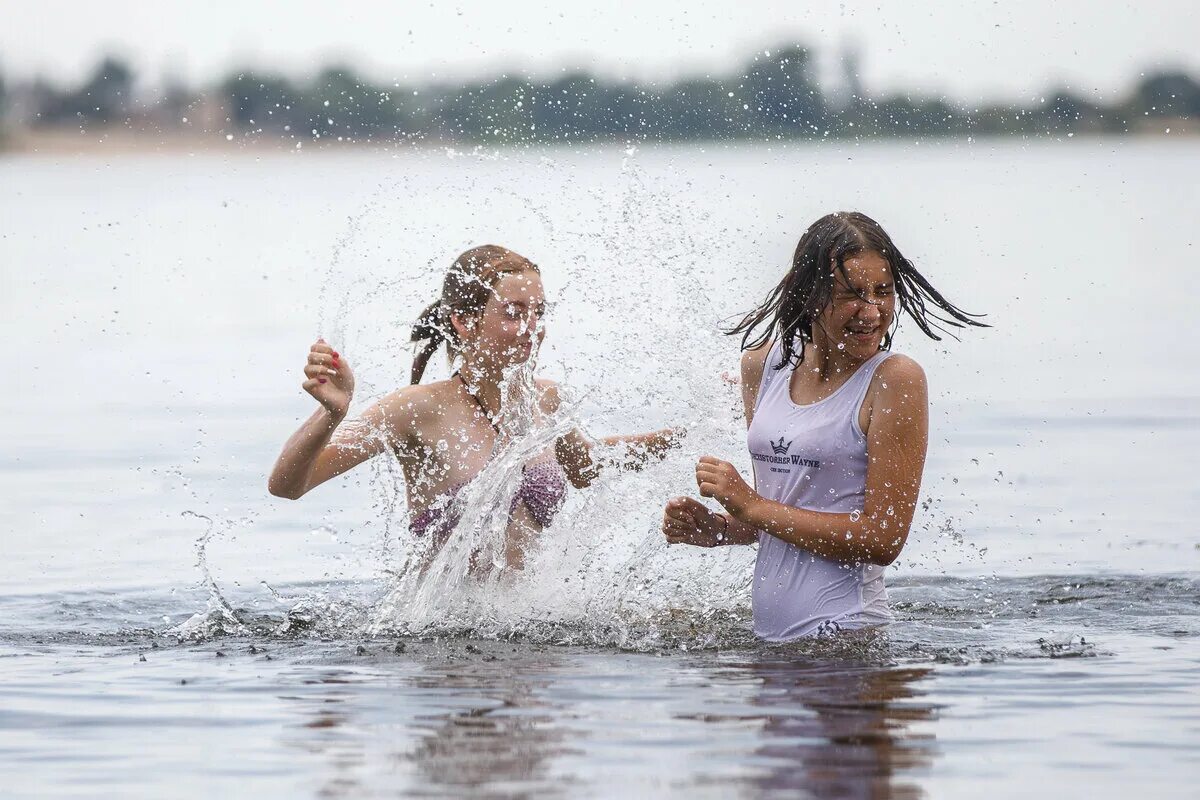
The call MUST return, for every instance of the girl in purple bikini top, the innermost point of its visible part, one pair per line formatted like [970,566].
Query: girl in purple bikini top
[543,489]
[490,319]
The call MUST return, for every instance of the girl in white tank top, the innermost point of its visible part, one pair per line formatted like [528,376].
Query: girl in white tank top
[815,457]
[837,435]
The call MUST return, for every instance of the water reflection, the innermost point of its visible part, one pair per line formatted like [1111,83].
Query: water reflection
[466,722]
[329,730]
[367,733]
[506,743]
[842,730]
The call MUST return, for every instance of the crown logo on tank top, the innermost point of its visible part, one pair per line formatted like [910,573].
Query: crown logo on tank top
[779,447]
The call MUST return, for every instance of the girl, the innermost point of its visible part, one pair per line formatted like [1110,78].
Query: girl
[445,433]
[838,429]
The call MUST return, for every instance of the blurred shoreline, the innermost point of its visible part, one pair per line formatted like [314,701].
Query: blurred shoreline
[775,97]
[119,140]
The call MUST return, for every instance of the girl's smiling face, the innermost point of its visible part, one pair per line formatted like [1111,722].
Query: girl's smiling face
[510,325]
[862,306]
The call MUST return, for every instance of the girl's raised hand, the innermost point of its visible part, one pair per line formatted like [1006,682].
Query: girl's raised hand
[721,481]
[328,378]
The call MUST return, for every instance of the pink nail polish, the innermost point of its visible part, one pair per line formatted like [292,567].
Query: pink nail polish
[320,380]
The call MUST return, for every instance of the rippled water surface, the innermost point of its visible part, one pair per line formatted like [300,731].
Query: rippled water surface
[167,629]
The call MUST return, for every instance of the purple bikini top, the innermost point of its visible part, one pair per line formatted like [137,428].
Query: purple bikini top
[543,489]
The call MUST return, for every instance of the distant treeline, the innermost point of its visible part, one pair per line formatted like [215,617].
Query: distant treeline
[775,96]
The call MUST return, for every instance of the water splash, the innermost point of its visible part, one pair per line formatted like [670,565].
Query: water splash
[218,616]
[601,573]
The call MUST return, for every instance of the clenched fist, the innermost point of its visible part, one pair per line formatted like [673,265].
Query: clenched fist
[328,378]
[687,521]
[721,481]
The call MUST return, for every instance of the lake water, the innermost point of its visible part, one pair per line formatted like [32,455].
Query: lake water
[168,629]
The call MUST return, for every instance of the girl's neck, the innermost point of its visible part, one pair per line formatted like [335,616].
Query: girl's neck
[825,360]
[483,383]
[505,399]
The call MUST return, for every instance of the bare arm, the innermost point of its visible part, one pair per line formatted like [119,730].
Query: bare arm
[580,460]
[897,440]
[322,448]
[577,455]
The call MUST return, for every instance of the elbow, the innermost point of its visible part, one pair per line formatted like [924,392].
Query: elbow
[884,559]
[582,478]
[884,554]
[286,492]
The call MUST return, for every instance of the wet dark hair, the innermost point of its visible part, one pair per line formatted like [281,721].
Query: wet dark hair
[468,285]
[789,310]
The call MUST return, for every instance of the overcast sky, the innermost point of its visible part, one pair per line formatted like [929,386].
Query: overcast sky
[967,49]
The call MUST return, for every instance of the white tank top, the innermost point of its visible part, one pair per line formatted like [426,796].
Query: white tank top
[814,457]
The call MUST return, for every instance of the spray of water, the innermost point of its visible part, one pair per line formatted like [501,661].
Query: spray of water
[601,574]
[218,616]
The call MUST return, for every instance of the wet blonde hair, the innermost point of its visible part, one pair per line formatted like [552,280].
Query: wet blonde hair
[469,283]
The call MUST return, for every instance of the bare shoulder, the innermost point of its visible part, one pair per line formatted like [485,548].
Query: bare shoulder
[412,413]
[550,397]
[414,396]
[754,361]
[898,384]
[898,396]
[900,371]
[409,404]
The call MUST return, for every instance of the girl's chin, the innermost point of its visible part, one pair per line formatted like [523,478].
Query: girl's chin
[520,354]
[868,345]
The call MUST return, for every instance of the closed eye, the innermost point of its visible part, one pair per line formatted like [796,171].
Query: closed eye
[516,311]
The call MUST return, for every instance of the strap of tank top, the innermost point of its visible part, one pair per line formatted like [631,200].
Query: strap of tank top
[862,380]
